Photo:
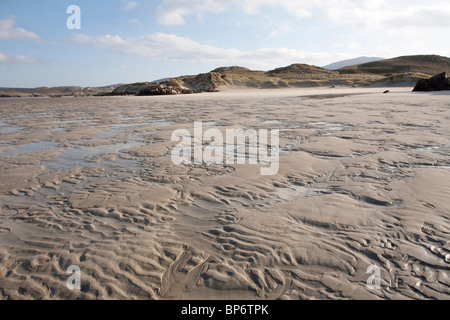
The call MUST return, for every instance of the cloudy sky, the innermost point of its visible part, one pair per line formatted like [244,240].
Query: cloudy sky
[129,41]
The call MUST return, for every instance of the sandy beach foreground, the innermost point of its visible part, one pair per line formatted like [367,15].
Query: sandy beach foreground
[363,180]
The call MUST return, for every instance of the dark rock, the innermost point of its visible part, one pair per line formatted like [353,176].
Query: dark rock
[436,83]
[161,89]
[387,91]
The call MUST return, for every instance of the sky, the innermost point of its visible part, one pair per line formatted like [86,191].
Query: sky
[121,41]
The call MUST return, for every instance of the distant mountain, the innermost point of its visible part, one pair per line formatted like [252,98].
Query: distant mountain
[350,62]
[424,64]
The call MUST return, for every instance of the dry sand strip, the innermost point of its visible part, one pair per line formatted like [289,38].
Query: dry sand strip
[364,180]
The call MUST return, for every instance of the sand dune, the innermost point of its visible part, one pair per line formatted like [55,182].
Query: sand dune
[364,180]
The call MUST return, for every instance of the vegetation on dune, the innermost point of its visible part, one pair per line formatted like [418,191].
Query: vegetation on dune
[426,64]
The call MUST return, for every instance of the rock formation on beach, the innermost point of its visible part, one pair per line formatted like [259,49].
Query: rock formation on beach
[437,83]
[170,87]
[161,89]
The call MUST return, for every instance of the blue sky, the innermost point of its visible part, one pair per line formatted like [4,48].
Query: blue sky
[124,41]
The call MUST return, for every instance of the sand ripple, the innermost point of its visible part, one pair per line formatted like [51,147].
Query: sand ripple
[364,180]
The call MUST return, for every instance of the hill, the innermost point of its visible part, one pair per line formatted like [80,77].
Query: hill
[351,62]
[300,70]
[295,75]
[429,65]
[401,71]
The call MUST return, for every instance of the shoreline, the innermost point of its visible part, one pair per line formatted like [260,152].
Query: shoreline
[262,91]
[304,91]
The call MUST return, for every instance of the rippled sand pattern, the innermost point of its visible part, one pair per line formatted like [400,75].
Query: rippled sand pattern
[364,180]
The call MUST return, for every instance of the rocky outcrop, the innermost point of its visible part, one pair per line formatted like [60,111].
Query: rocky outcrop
[164,90]
[172,87]
[436,83]
[129,89]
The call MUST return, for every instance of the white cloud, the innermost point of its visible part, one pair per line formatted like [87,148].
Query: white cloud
[7,31]
[280,29]
[15,59]
[99,42]
[301,13]
[172,12]
[173,48]
[358,27]
[130,6]
[355,45]
[359,14]
[392,17]
[135,21]
[420,17]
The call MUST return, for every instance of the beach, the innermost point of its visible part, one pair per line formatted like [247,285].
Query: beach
[363,181]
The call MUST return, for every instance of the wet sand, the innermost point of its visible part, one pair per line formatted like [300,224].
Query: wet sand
[364,180]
